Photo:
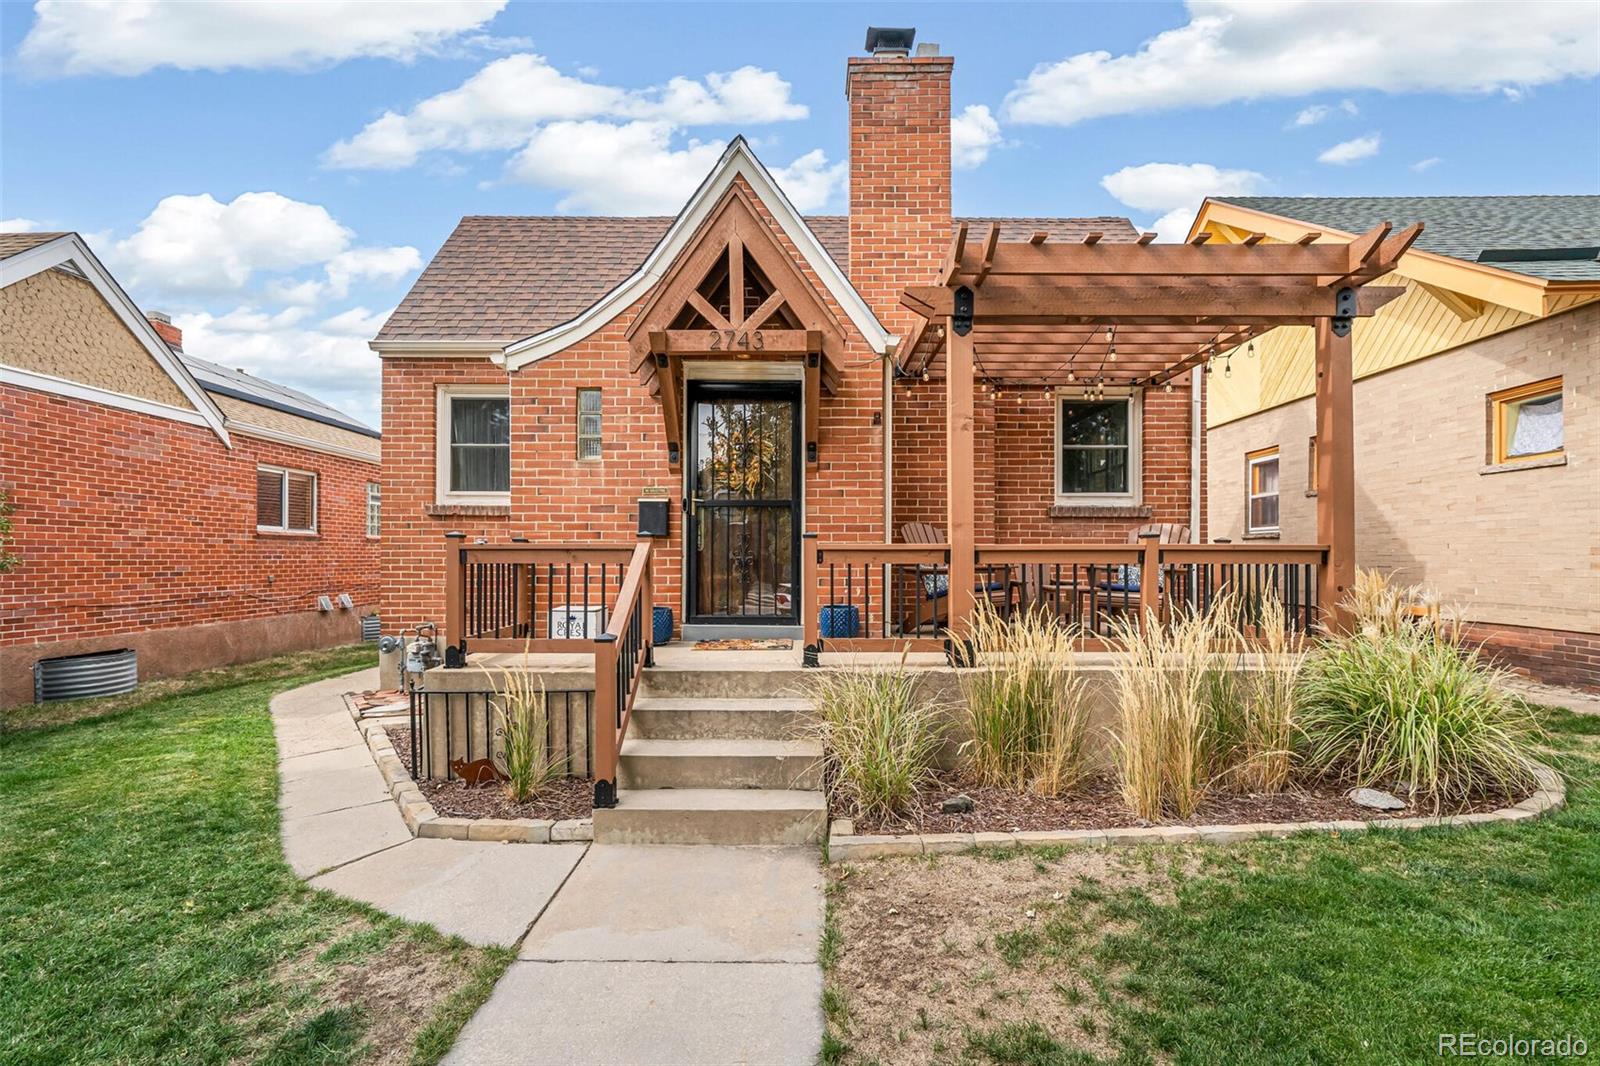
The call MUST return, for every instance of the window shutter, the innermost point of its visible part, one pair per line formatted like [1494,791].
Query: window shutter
[302,502]
[269,498]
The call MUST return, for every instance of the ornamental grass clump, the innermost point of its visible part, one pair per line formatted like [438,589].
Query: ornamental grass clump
[1411,709]
[522,726]
[879,734]
[1256,708]
[1025,703]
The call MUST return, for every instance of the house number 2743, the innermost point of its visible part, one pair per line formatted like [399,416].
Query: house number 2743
[733,340]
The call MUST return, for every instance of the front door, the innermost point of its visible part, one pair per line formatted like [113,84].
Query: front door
[744,503]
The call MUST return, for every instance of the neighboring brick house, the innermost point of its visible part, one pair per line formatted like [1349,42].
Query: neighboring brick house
[533,384]
[1476,414]
[162,503]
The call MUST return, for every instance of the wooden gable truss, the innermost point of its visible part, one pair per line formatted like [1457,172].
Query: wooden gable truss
[734,293]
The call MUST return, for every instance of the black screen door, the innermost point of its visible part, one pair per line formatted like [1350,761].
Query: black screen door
[744,503]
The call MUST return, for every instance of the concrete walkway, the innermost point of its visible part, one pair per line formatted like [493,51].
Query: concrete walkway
[648,955]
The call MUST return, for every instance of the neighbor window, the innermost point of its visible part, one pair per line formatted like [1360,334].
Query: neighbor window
[1261,470]
[1097,448]
[588,423]
[286,500]
[1526,422]
[474,444]
[373,500]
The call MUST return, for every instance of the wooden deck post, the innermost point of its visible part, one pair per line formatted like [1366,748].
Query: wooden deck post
[805,598]
[455,604]
[1336,472]
[603,737]
[959,448]
[1150,580]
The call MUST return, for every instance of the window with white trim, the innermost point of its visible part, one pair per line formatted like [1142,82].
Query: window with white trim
[1261,477]
[474,443]
[588,423]
[374,511]
[286,500]
[1097,448]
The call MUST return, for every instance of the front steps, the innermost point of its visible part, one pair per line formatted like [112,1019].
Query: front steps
[713,756]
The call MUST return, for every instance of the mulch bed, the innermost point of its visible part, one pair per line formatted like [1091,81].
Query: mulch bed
[1098,805]
[568,797]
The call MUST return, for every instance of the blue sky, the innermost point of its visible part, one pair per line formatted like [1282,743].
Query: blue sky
[274,175]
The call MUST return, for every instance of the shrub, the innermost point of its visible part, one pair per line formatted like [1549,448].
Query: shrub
[1411,709]
[522,724]
[1170,735]
[1025,703]
[1255,706]
[879,735]
[1378,606]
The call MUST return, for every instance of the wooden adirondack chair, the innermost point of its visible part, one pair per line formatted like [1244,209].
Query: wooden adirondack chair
[1117,595]
[932,606]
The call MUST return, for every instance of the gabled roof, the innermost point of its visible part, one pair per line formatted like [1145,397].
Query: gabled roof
[224,381]
[1551,237]
[35,253]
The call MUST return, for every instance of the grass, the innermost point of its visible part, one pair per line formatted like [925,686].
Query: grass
[146,913]
[1361,948]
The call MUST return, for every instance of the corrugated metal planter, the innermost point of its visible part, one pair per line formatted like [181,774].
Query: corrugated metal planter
[104,673]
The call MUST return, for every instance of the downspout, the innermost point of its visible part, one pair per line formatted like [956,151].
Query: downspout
[1196,411]
[888,444]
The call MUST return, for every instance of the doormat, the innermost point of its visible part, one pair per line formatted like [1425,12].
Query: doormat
[743,644]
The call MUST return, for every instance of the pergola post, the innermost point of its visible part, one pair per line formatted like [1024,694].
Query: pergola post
[1336,472]
[959,448]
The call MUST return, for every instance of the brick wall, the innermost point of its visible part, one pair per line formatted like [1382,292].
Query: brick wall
[126,522]
[1513,549]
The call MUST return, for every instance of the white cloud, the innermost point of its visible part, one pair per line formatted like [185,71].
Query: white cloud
[1426,164]
[1352,151]
[129,37]
[337,367]
[608,168]
[1177,189]
[809,182]
[386,265]
[506,103]
[1316,113]
[1245,50]
[357,322]
[18,225]
[196,243]
[972,134]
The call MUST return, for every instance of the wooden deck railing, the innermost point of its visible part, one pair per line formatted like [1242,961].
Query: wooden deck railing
[889,597]
[572,598]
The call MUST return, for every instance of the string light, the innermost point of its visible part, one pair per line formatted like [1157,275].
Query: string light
[1251,350]
[1167,386]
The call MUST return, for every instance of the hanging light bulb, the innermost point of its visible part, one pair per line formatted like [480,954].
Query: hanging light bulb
[1227,367]
[1251,350]
[1167,386]
[1111,353]
[1071,376]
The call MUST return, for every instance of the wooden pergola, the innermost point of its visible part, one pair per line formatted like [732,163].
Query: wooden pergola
[1093,314]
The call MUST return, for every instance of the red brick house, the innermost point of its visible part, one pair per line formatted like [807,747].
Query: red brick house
[747,365]
[160,503]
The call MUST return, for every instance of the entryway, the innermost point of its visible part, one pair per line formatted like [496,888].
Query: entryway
[743,497]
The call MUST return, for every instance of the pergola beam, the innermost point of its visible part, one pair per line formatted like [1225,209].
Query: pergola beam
[1103,259]
[1131,303]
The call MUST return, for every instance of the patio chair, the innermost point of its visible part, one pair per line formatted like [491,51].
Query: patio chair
[1119,593]
[932,599]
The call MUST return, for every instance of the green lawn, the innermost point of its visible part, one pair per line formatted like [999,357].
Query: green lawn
[1357,949]
[146,913]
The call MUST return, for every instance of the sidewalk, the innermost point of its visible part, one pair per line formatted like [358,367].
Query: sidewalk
[658,955]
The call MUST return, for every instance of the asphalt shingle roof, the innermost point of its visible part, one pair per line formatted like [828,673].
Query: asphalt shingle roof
[502,278]
[15,243]
[1463,227]
[241,386]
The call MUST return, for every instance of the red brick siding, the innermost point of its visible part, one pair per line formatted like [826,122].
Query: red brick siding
[128,522]
[1552,656]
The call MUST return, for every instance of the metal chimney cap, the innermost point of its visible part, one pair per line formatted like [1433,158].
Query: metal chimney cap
[890,41]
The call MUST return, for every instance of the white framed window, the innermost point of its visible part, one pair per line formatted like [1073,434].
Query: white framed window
[474,444]
[1261,489]
[1097,446]
[374,509]
[286,500]
[588,423]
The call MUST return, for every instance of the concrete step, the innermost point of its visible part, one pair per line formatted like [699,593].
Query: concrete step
[719,763]
[782,679]
[735,719]
[712,816]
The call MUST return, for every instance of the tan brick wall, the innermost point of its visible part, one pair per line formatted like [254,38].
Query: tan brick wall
[1518,549]
[53,323]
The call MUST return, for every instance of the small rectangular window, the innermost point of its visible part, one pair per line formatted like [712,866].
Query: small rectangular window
[1261,469]
[1097,453]
[373,498]
[1527,422]
[286,500]
[588,423]
[480,444]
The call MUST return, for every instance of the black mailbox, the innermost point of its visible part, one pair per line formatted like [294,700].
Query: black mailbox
[653,520]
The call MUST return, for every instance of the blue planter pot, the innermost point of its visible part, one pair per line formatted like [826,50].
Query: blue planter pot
[661,625]
[839,621]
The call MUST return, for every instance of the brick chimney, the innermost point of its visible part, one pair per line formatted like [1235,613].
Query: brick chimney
[899,168]
[166,330]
